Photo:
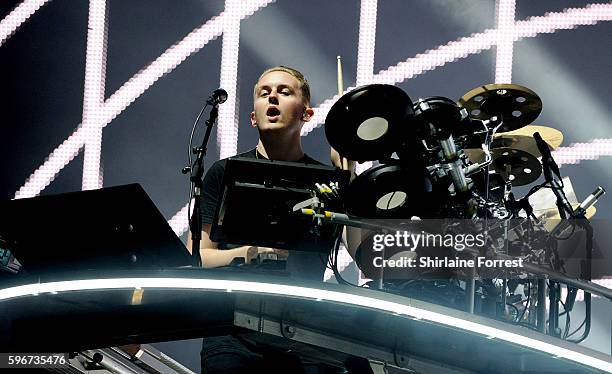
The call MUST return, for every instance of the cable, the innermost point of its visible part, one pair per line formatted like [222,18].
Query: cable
[578,328]
[586,322]
[335,263]
[567,321]
[515,309]
[527,303]
[586,273]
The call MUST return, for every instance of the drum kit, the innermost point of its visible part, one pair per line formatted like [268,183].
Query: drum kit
[439,159]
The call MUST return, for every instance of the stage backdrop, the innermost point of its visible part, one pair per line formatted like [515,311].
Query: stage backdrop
[101,93]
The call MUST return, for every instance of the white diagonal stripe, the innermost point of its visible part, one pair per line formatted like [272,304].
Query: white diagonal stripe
[227,129]
[505,41]
[17,17]
[93,95]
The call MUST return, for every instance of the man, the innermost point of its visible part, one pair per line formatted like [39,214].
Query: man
[281,106]
[280,109]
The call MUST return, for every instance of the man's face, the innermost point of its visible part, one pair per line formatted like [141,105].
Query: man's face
[279,104]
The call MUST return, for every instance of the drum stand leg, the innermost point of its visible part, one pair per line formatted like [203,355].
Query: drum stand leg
[379,282]
[470,290]
[541,319]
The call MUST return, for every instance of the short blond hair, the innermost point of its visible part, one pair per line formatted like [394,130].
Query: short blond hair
[304,86]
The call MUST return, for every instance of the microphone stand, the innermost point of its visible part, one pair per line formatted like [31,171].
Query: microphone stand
[196,177]
[553,176]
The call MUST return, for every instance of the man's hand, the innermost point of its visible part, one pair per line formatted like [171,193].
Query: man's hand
[335,158]
[253,251]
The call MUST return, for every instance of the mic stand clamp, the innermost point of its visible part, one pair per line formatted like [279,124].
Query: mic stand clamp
[196,177]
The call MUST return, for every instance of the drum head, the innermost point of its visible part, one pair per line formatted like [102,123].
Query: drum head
[370,122]
[389,191]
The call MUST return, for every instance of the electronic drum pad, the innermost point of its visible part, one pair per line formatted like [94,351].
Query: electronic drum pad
[371,122]
[394,191]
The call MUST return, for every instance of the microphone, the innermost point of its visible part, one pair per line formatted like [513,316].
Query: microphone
[217,97]
[590,200]
[550,167]
[547,159]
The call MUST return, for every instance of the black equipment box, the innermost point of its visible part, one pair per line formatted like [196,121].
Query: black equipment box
[257,202]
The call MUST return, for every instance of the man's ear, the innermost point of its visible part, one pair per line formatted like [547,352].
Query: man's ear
[308,113]
[253,120]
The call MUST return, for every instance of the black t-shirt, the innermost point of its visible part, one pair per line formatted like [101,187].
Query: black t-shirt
[305,265]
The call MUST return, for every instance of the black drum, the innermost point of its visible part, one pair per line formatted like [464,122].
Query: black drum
[371,123]
[393,191]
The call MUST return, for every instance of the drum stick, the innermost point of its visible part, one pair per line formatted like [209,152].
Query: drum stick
[343,160]
[340,81]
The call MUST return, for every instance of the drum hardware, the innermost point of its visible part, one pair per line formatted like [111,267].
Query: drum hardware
[438,118]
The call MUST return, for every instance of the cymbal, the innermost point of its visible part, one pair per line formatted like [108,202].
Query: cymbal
[553,213]
[370,122]
[523,138]
[524,167]
[552,218]
[515,105]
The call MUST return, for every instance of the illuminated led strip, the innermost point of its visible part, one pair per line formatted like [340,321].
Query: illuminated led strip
[367,41]
[366,53]
[583,151]
[312,294]
[505,40]
[180,221]
[227,129]
[93,95]
[463,47]
[127,94]
[565,20]
[17,17]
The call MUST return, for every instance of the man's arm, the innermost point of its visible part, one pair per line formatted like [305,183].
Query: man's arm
[213,257]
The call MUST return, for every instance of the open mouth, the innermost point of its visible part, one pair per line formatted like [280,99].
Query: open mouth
[273,113]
